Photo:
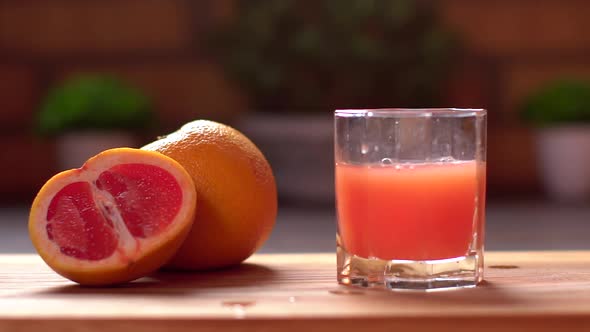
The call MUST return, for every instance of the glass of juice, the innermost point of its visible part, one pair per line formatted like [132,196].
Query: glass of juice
[410,197]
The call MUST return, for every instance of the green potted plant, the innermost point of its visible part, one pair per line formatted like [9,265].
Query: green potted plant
[290,55]
[90,113]
[560,114]
[297,61]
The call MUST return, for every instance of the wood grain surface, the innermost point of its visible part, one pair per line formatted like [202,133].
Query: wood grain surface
[536,291]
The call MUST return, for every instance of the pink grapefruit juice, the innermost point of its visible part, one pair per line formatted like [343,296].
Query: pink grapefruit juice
[422,211]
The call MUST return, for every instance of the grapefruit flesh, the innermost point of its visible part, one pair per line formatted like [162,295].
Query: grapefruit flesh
[119,217]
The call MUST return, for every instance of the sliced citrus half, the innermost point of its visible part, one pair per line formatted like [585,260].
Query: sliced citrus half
[120,216]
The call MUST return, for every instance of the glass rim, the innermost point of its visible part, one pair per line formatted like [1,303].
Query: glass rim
[412,112]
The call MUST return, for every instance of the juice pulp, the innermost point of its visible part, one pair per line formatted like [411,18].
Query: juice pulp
[411,211]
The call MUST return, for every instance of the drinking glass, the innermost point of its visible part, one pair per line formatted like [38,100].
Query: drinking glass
[410,197]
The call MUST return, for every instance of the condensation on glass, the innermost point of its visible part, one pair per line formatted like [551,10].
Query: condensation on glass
[410,193]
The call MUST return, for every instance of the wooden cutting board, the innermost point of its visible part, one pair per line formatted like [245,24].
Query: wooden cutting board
[536,291]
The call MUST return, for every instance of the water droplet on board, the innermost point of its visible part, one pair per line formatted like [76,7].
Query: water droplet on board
[292,299]
[345,292]
[238,307]
[386,161]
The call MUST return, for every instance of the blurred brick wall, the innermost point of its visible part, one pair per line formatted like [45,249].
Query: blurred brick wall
[153,44]
[511,48]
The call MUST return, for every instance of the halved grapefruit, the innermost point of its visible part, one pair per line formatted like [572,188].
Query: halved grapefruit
[120,216]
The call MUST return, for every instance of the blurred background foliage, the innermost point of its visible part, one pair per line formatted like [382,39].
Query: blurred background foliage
[98,102]
[560,102]
[291,55]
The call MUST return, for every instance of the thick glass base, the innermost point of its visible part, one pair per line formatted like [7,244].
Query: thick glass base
[455,272]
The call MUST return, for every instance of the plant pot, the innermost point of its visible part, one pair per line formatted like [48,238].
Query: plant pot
[299,149]
[564,161]
[74,148]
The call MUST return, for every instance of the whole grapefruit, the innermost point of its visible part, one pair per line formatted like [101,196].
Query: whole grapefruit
[236,189]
